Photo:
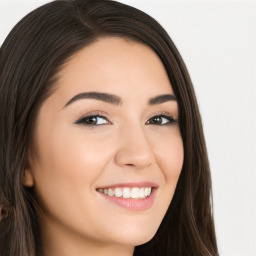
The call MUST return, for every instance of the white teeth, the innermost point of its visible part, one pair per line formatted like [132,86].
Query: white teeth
[126,193]
[147,191]
[111,192]
[118,192]
[142,193]
[134,193]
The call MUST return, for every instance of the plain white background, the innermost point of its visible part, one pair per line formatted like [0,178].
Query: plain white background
[217,40]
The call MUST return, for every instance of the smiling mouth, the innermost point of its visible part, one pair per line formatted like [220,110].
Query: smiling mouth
[137,196]
[126,192]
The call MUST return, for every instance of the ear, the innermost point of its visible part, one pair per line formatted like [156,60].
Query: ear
[28,179]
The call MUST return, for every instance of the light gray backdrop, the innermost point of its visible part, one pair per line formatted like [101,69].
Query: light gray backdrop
[217,40]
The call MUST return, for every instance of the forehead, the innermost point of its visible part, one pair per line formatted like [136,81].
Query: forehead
[114,63]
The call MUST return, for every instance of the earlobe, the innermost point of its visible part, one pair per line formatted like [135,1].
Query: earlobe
[28,179]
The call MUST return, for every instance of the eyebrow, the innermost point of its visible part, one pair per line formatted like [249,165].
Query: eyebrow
[116,100]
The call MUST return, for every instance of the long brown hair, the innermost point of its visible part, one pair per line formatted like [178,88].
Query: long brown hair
[30,59]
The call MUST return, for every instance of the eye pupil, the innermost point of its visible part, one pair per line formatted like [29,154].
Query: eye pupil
[157,120]
[91,120]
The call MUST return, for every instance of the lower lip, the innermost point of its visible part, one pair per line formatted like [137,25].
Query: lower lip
[133,204]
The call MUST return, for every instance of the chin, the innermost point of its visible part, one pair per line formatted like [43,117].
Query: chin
[135,238]
[144,239]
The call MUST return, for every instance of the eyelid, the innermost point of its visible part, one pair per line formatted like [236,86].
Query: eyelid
[104,115]
[94,113]
[164,113]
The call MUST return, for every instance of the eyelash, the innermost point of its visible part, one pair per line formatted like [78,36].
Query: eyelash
[97,114]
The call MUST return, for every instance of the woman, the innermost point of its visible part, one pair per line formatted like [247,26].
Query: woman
[102,148]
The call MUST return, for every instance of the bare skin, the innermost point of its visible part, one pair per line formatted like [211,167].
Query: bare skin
[125,144]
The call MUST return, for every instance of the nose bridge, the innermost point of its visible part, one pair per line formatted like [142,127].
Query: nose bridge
[135,148]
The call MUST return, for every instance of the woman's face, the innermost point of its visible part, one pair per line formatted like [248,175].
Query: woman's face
[122,139]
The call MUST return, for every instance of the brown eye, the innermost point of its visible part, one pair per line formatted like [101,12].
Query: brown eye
[92,120]
[161,120]
[157,120]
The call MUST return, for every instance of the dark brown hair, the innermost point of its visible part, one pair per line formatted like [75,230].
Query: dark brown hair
[30,59]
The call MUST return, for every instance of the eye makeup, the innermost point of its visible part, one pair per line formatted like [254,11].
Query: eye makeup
[96,118]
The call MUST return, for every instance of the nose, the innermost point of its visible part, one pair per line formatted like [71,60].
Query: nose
[134,149]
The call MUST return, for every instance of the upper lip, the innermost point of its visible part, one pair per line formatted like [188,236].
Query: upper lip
[142,184]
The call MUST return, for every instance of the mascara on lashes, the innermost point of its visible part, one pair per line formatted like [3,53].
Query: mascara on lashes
[82,120]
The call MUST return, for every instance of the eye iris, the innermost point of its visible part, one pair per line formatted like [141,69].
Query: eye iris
[157,120]
[91,120]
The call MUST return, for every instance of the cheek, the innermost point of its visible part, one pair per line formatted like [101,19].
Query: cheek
[170,156]
[67,166]
[65,174]
[66,154]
